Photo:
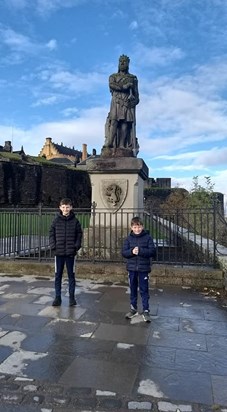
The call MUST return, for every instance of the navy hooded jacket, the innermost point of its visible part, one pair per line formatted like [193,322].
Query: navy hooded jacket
[147,250]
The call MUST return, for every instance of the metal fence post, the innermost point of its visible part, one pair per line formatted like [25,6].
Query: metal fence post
[93,212]
[40,228]
[214,232]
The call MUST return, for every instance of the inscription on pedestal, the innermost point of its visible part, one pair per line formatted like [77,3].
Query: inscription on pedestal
[105,165]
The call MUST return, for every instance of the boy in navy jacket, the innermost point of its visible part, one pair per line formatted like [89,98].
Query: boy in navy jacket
[138,249]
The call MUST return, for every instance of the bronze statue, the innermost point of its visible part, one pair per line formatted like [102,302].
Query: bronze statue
[120,126]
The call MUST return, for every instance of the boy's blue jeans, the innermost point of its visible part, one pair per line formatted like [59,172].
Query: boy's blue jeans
[140,279]
[60,262]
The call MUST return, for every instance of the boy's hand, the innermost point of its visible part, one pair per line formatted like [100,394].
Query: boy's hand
[135,251]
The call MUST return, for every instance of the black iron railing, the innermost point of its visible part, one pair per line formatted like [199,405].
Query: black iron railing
[183,237]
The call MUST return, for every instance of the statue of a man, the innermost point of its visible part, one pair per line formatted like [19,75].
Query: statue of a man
[121,120]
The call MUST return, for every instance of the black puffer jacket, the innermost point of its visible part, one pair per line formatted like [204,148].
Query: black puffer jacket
[65,235]
[142,261]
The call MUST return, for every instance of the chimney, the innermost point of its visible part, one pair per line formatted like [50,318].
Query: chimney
[8,146]
[48,147]
[84,152]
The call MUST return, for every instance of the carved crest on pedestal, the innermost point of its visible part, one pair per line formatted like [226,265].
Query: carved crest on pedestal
[114,192]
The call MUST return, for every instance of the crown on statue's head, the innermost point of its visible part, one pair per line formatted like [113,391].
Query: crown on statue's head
[124,57]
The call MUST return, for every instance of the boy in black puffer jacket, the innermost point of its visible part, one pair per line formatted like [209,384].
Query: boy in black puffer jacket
[138,249]
[65,240]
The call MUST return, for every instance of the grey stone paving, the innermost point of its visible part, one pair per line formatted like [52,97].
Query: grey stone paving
[90,358]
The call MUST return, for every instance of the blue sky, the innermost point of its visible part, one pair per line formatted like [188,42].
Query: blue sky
[56,57]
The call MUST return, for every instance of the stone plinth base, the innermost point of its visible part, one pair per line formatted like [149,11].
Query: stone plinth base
[117,165]
[116,152]
[117,188]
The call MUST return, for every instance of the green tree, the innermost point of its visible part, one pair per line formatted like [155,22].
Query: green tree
[201,197]
[178,199]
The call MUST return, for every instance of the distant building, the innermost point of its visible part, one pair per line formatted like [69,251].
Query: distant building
[160,182]
[58,153]
[7,148]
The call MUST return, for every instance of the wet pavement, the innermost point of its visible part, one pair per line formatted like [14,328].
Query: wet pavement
[90,358]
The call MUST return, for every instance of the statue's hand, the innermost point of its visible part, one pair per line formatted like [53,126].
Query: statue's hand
[131,101]
[127,86]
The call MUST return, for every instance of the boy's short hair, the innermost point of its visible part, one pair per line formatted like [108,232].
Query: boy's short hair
[66,201]
[136,221]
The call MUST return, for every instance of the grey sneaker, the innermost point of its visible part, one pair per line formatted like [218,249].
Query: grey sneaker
[131,314]
[146,316]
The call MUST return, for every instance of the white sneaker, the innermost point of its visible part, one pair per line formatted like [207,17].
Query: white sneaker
[146,316]
[131,314]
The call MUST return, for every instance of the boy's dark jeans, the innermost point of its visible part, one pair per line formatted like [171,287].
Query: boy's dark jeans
[60,262]
[140,279]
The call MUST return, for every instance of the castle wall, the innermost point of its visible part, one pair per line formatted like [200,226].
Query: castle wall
[27,185]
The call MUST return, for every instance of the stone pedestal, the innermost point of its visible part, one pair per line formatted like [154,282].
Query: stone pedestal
[117,188]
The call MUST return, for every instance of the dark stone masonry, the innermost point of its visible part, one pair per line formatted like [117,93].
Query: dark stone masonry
[27,185]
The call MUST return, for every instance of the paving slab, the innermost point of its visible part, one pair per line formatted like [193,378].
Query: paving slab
[171,339]
[211,363]
[121,333]
[177,385]
[104,375]
[205,327]
[219,389]
[90,358]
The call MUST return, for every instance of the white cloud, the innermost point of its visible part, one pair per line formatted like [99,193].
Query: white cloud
[70,111]
[215,156]
[12,59]
[75,82]
[183,168]
[119,14]
[133,25]
[44,7]
[52,44]
[152,56]
[74,40]
[46,101]
[21,44]
[175,113]
[88,128]
[15,41]
[183,21]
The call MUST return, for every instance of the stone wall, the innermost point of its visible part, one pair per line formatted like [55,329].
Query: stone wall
[161,275]
[155,197]
[26,185]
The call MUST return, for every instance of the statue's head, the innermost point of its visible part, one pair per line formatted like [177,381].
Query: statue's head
[123,63]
